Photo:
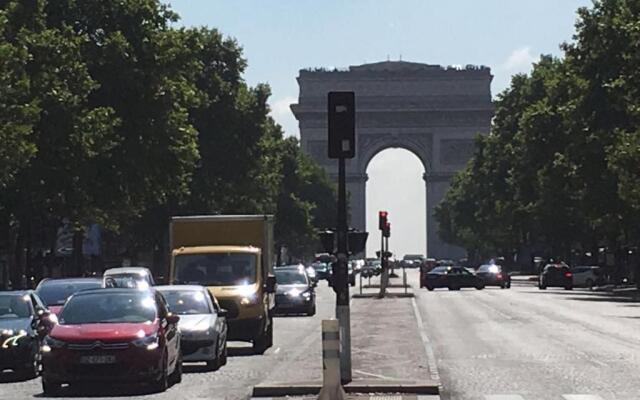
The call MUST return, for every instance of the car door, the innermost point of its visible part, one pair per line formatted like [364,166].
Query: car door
[468,279]
[171,333]
[221,322]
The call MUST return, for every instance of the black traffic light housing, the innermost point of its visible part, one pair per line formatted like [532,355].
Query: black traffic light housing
[342,124]
[386,232]
[357,241]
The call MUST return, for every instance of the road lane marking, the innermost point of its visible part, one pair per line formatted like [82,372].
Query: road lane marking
[581,397]
[375,375]
[431,358]
[276,351]
[503,397]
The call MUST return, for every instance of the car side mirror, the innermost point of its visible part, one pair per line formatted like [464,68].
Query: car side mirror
[173,318]
[223,313]
[270,284]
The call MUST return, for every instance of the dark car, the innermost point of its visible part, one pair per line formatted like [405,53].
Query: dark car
[113,335]
[55,292]
[295,293]
[202,322]
[556,275]
[24,321]
[453,278]
[322,270]
[494,275]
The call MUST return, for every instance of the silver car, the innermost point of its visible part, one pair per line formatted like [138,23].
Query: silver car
[203,324]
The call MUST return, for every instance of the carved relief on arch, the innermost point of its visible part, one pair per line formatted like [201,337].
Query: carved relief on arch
[420,144]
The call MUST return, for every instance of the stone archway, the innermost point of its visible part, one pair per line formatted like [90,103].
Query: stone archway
[432,111]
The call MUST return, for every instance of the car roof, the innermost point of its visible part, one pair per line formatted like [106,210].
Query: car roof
[180,287]
[114,290]
[128,270]
[17,292]
[70,280]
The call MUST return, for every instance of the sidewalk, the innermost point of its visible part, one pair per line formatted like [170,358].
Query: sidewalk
[388,355]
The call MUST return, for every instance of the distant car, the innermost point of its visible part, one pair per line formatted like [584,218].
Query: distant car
[412,261]
[452,278]
[493,275]
[128,277]
[295,293]
[55,292]
[322,270]
[202,322]
[587,276]
[24,321]
[371,268]
[556,275]
[113,335]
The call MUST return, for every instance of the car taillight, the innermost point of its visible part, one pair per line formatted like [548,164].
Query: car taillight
[499,276]
[567,274]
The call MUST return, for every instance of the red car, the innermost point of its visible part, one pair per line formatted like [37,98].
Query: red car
[55,292]
[115,335]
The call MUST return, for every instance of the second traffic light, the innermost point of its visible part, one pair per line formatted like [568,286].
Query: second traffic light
[386,232]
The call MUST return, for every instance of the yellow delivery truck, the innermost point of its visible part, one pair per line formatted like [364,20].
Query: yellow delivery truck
[232,256]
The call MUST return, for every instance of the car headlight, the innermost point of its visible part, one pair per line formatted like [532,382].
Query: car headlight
[294,292]
[150,342]
[15,338]
[306,295]
[51,343]
[249,299]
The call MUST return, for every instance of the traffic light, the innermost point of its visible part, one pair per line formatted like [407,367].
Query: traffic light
[382,220]
[342,124]
[386,232]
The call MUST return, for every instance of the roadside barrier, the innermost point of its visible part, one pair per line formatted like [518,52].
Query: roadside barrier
[331,384]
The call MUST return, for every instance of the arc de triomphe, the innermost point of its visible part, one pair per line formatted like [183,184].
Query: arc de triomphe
[432,111]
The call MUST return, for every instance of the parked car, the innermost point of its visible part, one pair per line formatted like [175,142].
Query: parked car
[295,293]
[556,275]
[24,321]
[412,261]
[113,335]
[494,275]
[55,292]
[203,324]
[453,278]
[587,276]
[128,277]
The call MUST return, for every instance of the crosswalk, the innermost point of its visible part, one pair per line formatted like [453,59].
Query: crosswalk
[436,397]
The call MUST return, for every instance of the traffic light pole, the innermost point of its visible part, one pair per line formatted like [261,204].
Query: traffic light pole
[343,314]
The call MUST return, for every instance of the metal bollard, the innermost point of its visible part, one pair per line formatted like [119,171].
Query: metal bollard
[331,384]
[404,279]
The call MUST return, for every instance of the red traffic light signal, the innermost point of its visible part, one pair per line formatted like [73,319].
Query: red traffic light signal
[382,220]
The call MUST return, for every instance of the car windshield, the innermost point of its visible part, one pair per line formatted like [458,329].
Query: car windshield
[185,302]
[216,269]
[126,280]
[438,270]
[290,277]
[106,306]
[54,293]
[489,268]
[14,306]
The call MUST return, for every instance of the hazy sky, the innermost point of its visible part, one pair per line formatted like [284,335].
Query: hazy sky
[280,37]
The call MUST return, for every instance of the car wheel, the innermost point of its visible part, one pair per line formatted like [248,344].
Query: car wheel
[224,355]
[589,283]
[261,343]
[452,287]
[50,388]
[568,288]
[312,310]
[214,365]
[542,287]
[509,285]
[429,288]
[176,377]
[480,287]
[161,384]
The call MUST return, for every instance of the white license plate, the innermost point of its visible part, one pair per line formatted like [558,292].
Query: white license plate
[97,359]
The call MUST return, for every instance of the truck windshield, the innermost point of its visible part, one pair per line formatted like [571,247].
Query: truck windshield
[216,269]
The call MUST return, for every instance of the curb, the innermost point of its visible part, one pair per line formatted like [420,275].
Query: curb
[305,389]
[388,295]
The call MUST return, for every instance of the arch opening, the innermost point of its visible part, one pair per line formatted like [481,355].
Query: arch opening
[396,185]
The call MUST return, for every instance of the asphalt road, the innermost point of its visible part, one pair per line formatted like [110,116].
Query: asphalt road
[524,343]
[233,381]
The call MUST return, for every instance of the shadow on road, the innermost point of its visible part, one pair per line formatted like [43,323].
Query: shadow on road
[101,390]
[12,377]
[240,351]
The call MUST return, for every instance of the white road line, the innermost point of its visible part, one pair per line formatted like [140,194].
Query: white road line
[431,358]
[276,351]
[503,397]
[581,397]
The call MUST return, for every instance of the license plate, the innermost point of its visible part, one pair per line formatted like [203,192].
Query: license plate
[97,359]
